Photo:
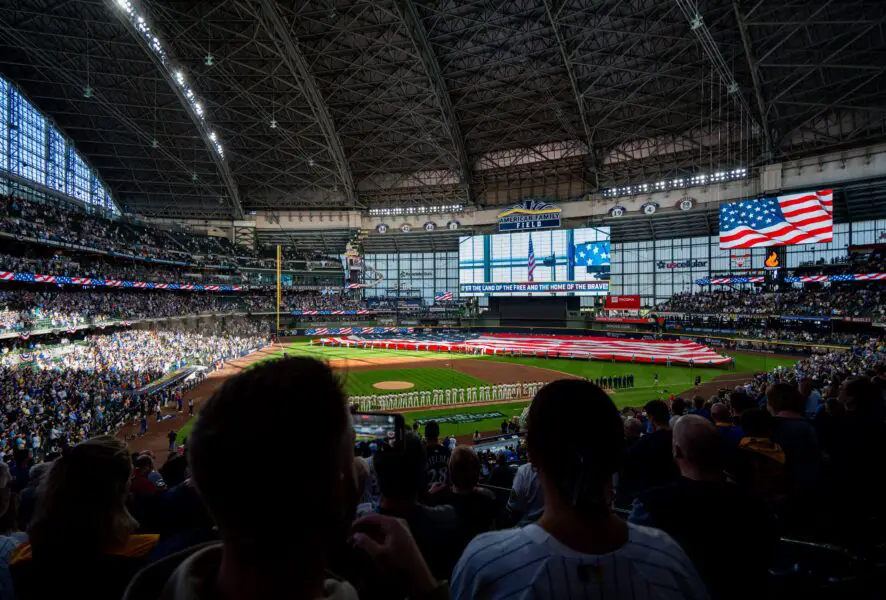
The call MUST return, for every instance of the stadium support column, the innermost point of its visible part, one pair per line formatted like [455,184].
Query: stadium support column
[279,283]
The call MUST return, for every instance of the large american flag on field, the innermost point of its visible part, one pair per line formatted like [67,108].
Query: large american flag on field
[531,260]
[599,348]
[803,218]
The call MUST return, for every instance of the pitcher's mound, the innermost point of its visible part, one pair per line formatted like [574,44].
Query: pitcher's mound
[393,385]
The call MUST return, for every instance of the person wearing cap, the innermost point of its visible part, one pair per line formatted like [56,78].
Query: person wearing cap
[578,548]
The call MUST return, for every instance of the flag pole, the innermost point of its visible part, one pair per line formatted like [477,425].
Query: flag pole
[279,284]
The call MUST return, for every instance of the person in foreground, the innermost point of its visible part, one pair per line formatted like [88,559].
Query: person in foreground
[279,544]
[686,508]
[578,548]
[81,525]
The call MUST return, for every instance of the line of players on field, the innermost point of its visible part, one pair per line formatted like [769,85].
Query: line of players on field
[617,382]
[418,399]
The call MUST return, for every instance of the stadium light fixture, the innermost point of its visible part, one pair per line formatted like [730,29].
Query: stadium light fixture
[416,210]
[699,179]
[177,73]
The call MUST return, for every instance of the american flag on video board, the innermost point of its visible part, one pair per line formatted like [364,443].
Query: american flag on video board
[802,218]
[531,260]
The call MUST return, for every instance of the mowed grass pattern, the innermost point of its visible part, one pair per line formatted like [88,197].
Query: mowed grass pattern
[671,380]
[359,383]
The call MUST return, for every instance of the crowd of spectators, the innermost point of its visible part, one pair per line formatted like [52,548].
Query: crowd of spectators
[25,310]
[62,396]
[850,300]
[857,261]
[96,267]
[66,224]
[709,486]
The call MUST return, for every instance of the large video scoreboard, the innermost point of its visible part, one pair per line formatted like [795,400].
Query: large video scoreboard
[557,262]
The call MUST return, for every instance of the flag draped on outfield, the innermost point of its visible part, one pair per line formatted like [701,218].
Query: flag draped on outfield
[781,221]
[531,260]
[601,348]
[443,297]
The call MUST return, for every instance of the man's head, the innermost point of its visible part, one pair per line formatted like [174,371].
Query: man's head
[805,387]
[657,412]
[464,468]
[739,401]
[432,431]
[783,397]
[720,413]
[678,406]
[633,428]
[698,448]
[698,402]
[401,469]
[252,525]
[860,395]
[576,439]
[756,422]
[144,464]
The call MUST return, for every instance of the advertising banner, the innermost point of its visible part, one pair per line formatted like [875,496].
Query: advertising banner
[539,286]
[622,302]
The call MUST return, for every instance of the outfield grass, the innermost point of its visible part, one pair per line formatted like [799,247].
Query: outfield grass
[303,348]
[513,409]
[359,383]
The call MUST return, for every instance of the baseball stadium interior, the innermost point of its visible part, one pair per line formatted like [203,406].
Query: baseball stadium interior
[439,299]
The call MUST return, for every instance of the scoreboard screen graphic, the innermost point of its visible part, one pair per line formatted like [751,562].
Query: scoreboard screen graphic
[559,262]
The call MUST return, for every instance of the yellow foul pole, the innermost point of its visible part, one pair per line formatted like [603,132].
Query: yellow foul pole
[279,284]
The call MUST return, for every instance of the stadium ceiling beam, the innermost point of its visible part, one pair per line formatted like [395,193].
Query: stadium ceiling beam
[44,63]
[573,82]
[270,19]
[221,164]
[755,76]
[419,36]
[701,32]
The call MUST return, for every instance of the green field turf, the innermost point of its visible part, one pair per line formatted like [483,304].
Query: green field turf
[671,380]
[302,348]
[359,383]
[509,410]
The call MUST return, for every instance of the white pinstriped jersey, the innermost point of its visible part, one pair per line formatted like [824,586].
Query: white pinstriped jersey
[528,563]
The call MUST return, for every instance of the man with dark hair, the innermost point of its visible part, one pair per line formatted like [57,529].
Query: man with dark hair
[402,478]
[698,408]
[578,548]
[739,401]
[687,508]
[678,407]
[475,506]
[793,432]
[437,461]
[649,462]
[502,475]
[730,434]
[278,541]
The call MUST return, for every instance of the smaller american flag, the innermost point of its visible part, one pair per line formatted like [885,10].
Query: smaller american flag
[531,260]
[443,297]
